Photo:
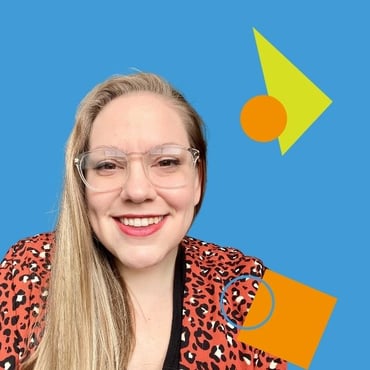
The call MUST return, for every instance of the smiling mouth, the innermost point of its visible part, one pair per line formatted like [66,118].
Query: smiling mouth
[140,221]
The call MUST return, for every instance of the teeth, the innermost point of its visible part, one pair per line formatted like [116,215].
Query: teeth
[140,222]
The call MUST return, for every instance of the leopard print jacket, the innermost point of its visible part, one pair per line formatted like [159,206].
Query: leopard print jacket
[208,341]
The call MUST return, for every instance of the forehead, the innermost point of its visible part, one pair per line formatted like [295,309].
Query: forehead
[138,121]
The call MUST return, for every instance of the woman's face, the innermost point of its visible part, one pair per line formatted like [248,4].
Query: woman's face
[141,224]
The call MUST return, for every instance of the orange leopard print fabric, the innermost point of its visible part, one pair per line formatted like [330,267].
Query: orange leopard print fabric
[208,341]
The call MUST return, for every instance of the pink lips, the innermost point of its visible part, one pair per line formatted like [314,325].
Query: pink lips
[140,231]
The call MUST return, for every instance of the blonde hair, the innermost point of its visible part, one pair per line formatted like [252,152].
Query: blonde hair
[89,324]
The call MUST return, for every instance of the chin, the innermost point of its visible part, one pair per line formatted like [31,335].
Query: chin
[141,258]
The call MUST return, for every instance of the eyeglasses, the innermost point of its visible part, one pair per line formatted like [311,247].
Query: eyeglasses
[166,166]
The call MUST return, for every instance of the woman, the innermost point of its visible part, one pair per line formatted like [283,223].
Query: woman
[128,288]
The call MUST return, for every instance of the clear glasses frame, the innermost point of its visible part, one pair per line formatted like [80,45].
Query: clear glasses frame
[165,166]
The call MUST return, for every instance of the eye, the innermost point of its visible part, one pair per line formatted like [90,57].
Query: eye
[105,166]
[108,167]
[168,162]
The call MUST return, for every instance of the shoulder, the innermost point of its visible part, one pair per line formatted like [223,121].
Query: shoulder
[213,309]
[24,279]
[28,255]
[227,261]
[38,245]
[25,268]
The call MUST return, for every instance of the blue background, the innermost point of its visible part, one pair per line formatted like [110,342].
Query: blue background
[306,214]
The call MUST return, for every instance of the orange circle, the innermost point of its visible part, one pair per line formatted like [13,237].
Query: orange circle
[263,118]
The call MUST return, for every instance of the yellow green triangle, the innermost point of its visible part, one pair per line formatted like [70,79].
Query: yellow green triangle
[304,102]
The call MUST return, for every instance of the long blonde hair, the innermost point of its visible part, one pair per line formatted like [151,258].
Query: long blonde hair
[89,324]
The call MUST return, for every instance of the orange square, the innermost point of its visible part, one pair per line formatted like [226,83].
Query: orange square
[297,322]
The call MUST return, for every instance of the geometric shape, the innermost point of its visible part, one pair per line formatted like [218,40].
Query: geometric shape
[264,314]
[299,319]
[302,99]
[263,118]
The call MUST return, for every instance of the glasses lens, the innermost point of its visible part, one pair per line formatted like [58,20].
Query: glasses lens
[169,166]
[165,167]
[104,169]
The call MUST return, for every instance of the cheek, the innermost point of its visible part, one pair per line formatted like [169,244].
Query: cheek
[92,202]
[92,211]
[97,205]
[182,200]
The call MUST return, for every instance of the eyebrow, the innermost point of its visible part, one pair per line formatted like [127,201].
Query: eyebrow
[114,148]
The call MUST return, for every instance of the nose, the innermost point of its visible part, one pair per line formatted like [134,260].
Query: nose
[137,187]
